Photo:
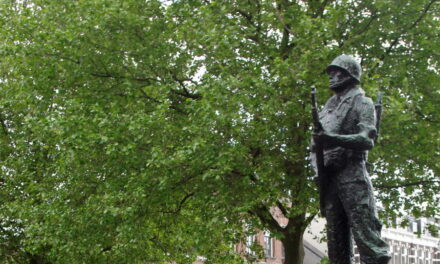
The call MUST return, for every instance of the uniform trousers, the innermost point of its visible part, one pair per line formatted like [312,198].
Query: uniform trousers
[351,211]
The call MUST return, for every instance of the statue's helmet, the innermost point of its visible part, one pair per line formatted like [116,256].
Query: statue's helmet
[347,63]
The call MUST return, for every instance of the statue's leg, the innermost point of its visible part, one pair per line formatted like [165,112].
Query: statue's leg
[359,203]
[338,231]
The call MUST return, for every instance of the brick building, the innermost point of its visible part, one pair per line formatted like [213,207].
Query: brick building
[411,245]
[414,244]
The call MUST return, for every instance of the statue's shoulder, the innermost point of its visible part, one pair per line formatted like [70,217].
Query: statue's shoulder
[331,101]
[364,107]
[366,100]
[362,99]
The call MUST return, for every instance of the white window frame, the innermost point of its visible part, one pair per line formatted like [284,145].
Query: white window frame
[250,240]
[268,245]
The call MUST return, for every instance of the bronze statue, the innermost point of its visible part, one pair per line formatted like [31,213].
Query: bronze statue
[344,132]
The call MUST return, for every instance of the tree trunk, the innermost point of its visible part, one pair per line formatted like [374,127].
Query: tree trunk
[36,259]
[293,248]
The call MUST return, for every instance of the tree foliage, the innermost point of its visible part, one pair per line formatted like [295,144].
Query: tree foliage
[157,131]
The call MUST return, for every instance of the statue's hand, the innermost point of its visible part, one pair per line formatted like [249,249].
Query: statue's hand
[322,136]
[367,130]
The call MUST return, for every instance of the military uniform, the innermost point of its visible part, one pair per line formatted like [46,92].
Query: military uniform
[349,202]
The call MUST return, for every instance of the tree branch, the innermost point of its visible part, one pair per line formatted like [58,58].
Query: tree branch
[427,117]
[183,201]
[373,17]
[282,208]
[114,76]
[263,213]
[297,221]
[62,57]
[406,184]
[149,97]
[6,131]
[281,19]
[319,12]
[245,15]
[174,107]
[4,127]
[309,218]
[187,94]
[396,40]
[413,25]
[285,47]
[180,205]
[252,21]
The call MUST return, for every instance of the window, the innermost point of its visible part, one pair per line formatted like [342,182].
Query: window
[436,259]
[250,240]
[414,228]
[268,245]
[427,254]
[397,258]
[283,252]
[404,253]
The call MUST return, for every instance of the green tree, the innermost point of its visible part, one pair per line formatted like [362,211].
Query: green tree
[157,131]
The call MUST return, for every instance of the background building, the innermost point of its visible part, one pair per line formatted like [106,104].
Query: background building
[414,244]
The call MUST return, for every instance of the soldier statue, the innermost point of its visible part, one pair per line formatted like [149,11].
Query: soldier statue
[348,130]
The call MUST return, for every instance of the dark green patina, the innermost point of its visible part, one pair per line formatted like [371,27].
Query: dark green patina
[348,123]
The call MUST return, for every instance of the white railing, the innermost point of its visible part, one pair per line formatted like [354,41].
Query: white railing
[405,236]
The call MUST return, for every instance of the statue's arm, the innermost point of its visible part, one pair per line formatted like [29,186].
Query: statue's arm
[364,139]
[360,141]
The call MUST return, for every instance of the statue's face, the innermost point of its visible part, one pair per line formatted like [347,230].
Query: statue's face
[339,79]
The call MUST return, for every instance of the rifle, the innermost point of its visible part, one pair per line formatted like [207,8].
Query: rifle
[319,151]
[378,108]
